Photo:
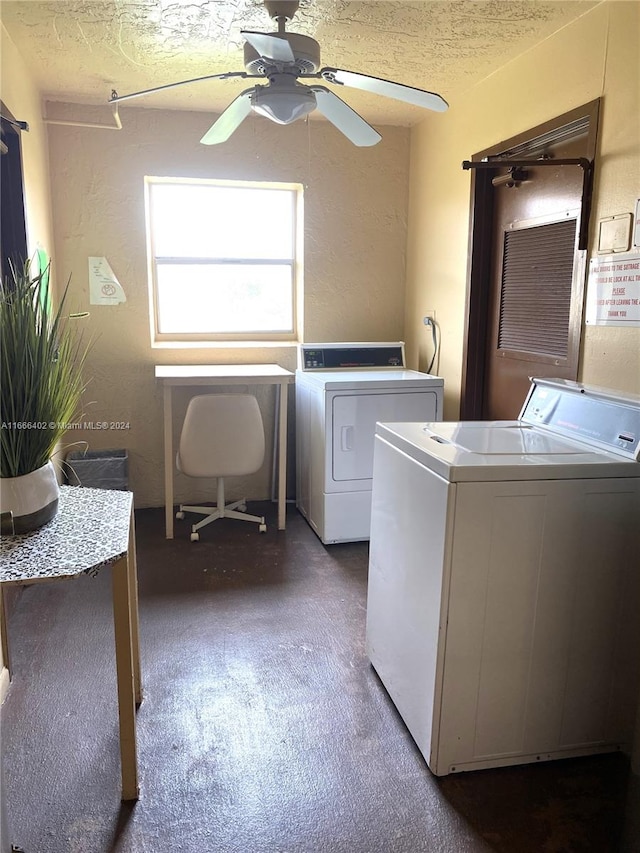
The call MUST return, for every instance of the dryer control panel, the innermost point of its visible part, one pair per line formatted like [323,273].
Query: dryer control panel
[599,417]
[351,356]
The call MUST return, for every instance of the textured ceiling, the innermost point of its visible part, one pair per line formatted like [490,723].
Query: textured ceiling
[79,50]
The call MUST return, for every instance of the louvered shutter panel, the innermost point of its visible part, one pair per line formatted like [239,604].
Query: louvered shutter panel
[536,288]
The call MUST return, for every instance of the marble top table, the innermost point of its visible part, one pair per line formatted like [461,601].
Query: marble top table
[93,528]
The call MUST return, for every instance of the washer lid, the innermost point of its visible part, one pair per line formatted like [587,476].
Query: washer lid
[501,450]
[350,380]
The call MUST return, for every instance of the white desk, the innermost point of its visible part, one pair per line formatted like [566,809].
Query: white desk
[223,374]
[93,528]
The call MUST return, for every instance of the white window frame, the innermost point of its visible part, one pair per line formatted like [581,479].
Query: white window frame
[159,338]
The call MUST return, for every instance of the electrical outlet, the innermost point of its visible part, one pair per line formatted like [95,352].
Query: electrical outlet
[429,318]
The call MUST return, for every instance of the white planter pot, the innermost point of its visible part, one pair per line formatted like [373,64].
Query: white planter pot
[33,498]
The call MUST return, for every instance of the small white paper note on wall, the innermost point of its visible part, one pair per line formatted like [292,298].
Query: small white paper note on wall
[104,287]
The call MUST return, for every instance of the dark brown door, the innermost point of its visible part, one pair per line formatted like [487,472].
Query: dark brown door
[13,229]
[536,283]
[525,314]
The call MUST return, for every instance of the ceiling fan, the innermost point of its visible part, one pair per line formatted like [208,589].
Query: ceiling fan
[284,58]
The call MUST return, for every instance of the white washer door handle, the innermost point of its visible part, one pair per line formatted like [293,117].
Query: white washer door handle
[346,439]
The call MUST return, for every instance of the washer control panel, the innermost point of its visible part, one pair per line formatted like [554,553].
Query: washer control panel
[597,416]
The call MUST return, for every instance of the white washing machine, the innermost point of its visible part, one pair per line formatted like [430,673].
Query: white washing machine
[503,612]
[342,390]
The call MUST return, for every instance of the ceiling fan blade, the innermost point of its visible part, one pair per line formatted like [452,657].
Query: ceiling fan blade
[229,120]
[116,98]
[269,46]
[344,118]
[378,86]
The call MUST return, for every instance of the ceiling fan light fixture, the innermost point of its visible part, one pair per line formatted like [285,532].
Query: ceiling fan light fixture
[283,57]
[284,106]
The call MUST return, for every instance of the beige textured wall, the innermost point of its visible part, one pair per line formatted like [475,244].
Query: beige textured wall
[355,241]
[597,56]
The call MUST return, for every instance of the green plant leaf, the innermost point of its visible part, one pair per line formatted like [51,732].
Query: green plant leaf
[41,361]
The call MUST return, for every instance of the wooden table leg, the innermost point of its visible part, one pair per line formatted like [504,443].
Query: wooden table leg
[4,633]
[282,458]
[168,461]
[122,620]
[132,573]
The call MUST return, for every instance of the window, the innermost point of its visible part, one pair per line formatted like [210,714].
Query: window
[224,259]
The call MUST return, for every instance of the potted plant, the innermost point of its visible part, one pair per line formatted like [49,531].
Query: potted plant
[41,359]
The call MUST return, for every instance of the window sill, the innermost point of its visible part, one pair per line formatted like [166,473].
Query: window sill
[223,344]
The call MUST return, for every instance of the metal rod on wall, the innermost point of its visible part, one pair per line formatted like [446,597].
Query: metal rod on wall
[587,177]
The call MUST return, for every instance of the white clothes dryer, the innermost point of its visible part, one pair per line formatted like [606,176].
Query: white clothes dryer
[503,612]
[342,390]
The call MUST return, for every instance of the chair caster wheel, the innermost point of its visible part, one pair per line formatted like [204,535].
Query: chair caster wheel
[262,528]
[195,537]
[180,514]
[242,507]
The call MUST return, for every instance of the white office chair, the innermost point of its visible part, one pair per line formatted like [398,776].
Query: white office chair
[222,436]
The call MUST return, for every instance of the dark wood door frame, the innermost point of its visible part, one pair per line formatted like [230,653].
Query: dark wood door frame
[13,230]
[527,145]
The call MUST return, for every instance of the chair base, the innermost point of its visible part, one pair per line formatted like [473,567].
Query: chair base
[220,511]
